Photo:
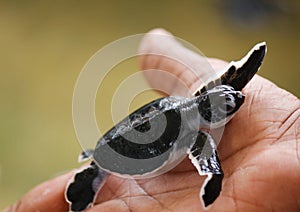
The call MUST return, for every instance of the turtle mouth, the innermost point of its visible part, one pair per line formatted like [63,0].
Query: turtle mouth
[240,95]
[235,102]
[240,98]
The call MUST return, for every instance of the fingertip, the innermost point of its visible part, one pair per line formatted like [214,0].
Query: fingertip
[159,31]
[155,41]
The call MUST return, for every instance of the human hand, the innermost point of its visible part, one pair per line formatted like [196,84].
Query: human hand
[259,152]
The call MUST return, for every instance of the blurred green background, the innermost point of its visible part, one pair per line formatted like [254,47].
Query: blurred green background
[44,45]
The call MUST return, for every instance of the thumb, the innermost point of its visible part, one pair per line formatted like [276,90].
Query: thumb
[178,65]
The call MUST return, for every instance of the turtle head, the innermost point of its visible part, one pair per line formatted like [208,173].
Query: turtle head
[218,104]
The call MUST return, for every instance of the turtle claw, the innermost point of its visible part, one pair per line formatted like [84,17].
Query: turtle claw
[81,193]
[204,157]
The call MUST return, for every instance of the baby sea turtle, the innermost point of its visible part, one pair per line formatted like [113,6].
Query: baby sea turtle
[178,127]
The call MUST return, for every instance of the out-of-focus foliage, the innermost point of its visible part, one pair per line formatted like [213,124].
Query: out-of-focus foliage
[44,45]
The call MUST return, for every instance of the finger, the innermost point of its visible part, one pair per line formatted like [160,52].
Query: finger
[48,196]
[161,51]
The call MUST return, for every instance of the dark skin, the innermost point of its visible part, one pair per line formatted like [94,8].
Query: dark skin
[259,153]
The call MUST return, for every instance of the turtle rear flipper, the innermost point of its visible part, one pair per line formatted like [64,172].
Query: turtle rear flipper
[204,157]
[82,192]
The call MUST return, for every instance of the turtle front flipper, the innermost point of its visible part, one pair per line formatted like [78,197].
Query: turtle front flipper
[203,155]
[82,192]
[239,73]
